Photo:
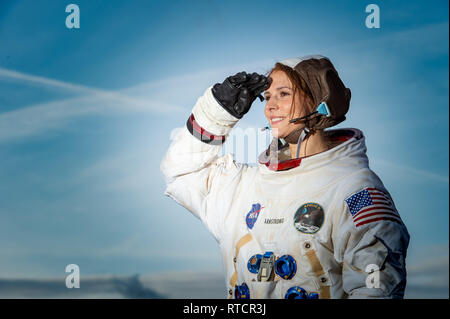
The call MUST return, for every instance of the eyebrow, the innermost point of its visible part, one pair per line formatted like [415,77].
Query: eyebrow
[279,88]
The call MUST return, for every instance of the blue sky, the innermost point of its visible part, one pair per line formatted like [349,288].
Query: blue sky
[86,115]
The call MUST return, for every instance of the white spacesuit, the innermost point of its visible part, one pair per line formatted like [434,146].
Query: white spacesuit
[324,228]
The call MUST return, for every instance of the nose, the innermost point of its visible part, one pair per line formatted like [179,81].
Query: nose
[271,105]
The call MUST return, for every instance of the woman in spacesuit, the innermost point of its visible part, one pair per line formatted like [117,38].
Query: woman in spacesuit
[311,220]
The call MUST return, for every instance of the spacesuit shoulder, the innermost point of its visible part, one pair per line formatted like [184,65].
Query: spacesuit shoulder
[361,179]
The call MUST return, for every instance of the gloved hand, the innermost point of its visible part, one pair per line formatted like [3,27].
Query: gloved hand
[237,93]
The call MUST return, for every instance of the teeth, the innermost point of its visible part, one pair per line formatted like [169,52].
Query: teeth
[276,119]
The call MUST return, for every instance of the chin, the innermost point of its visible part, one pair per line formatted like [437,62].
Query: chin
[277,133]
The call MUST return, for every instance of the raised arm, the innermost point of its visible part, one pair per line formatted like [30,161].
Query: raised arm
[191,166]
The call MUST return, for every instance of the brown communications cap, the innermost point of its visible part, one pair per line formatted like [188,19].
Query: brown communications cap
[325,85]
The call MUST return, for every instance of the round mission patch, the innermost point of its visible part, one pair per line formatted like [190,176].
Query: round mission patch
[309,218]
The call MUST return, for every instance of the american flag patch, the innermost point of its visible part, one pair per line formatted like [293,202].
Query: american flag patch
[371,205]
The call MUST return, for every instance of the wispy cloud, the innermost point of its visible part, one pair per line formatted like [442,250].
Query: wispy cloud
[414,171]
[97,94]
[46,82]
[38,118]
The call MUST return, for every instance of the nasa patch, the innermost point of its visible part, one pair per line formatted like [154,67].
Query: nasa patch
[252,215]
[309,218]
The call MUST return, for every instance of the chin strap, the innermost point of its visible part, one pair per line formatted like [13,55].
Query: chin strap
[297,137]
[304,133]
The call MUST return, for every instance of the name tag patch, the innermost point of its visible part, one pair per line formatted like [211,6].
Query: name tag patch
[274,221]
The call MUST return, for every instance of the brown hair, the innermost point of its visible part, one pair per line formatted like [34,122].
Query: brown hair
[300,88]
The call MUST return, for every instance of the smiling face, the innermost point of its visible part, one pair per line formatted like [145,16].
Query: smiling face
[283,103]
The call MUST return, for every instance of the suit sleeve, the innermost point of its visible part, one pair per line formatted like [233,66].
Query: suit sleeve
[192,168]
[371,242]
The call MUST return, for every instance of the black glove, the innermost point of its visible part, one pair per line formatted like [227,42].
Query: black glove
[237,93]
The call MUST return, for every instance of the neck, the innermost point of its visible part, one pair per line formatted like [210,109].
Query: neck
[313,143]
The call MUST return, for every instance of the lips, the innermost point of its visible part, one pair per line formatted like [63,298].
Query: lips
[275,120]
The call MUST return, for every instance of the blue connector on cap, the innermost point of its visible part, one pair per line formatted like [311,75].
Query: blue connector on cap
[323,109]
